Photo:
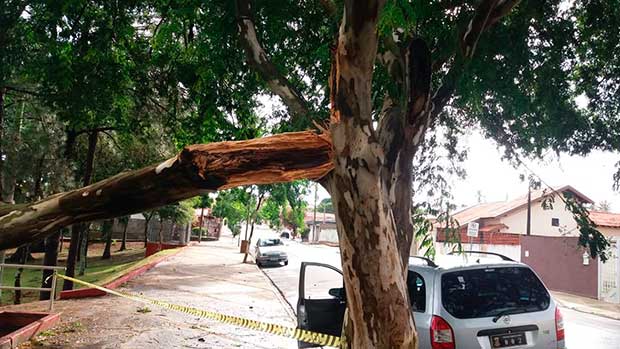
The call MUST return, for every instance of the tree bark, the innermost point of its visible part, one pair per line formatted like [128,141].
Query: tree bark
[124,242]
[83,260]
[198,169]
[79,229]
[377,298]
[2,93]
[147,220]
[260,200]
[202,215]
[22,259]
[107,233]
[51,259]
[74,245]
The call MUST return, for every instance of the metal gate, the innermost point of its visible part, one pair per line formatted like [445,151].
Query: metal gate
[609,275]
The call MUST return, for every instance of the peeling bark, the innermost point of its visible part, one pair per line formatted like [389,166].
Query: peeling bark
[377,299]
[198,169]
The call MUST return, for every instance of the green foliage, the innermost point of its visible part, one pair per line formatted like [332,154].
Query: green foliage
[423,235]
[326,206]
[271,213]
[179,213]
[230,205]
[160,75]
[202,201]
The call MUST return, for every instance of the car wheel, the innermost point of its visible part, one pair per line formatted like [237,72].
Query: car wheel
[285,262]
[258,264]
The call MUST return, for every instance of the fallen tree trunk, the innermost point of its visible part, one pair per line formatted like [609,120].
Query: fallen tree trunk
[196,170]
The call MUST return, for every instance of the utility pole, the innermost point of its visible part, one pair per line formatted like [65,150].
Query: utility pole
[529,208]
[314,219]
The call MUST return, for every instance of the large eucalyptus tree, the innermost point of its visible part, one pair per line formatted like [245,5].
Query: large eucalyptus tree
[375,78]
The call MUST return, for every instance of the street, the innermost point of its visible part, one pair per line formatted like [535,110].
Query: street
[582,330]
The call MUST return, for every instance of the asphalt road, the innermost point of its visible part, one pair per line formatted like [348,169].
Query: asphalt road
[582,330]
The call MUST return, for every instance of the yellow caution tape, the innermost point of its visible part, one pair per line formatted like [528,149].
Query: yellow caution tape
[284,331]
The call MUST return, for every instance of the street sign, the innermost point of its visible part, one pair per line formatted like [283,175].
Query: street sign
[472,229]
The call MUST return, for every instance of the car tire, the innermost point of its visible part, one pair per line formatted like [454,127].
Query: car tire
[286,262]
[258,264]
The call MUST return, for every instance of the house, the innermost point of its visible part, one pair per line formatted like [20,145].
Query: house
[325,230]
[551,248]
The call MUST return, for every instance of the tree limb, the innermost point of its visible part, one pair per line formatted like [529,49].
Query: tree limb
[196,170]
[257,58]
[487,13]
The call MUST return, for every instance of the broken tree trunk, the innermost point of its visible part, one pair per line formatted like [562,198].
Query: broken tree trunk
[196,170]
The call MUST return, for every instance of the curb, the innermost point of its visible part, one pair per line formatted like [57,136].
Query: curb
[585,310]
[288,307]
[26,332]
[130,275]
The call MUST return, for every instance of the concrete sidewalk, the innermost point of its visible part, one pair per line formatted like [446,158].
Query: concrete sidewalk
[587,305]
[208,276]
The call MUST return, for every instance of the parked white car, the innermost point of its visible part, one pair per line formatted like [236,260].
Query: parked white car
[270,251]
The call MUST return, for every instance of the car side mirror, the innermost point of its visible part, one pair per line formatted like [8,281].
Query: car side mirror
[337,292]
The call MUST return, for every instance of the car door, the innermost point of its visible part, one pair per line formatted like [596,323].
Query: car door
[322,302]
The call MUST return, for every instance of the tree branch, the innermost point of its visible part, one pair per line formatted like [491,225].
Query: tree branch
[22,90]
[197,169]
[257,58]
[487,13]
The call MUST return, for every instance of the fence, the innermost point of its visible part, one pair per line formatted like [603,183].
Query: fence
[51,289]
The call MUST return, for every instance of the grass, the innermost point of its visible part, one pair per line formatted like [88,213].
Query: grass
[98,271]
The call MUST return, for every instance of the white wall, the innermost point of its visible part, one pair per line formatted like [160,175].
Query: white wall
[329,235]
[541,220]
[609,231]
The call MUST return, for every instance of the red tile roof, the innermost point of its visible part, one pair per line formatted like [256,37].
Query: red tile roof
[605,219]
[496,209]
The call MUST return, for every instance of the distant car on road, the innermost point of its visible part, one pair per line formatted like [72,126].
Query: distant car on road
[476,300]
[270,251]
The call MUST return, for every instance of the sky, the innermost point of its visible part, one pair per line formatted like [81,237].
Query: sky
[497,180]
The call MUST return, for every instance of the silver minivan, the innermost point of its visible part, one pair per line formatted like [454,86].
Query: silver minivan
[472,300]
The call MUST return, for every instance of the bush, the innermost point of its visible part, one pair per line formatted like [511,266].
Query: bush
[196,231]
[304,232]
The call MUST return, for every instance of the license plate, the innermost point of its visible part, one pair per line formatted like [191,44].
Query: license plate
[508,340]
[273,260]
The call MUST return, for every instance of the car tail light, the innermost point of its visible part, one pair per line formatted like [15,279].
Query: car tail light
[559,325]
[442,336]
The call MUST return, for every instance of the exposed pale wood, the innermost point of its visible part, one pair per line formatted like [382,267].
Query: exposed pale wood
[196,170]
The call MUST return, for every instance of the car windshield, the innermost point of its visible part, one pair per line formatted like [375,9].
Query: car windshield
[270,242]
[477,293]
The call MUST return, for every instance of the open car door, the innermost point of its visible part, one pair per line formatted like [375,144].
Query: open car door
[322,301]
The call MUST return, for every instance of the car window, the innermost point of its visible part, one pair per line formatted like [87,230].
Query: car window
[270,242]
[319,280]
[477,293]
[417,291]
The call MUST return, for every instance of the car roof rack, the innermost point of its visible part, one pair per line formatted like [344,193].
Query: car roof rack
[428,261]
[483,252]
